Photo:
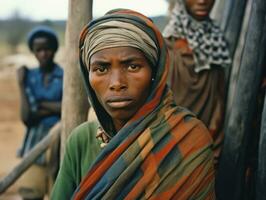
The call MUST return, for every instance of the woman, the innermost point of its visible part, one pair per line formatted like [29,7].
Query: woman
[198,54]
[41,94]
[147,147]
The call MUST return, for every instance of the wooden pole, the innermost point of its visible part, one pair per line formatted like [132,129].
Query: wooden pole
[231,175]
[233,72]
[233,18]
[218,11]
[75,104]
[261,177]
[228,6]
[29,159]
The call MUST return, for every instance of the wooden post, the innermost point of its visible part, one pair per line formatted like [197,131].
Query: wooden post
[233,18]
[261,177]
[218,11]
[75,104]
[228,6]
[233,72]
[230,181]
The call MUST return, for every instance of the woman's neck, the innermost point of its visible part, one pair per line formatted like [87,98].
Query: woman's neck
[48,68]
[118,124]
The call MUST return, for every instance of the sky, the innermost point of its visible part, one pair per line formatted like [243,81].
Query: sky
[57,9]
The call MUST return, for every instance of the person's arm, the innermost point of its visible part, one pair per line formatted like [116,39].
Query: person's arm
[81,150]
[46,108]
[24,103]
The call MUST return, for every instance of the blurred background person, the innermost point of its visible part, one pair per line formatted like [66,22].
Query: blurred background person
[41,95]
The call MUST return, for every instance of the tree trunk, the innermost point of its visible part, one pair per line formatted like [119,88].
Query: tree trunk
[232,23]
[218,11]
[231,175]
[75,103]
[233,72]
[261,178]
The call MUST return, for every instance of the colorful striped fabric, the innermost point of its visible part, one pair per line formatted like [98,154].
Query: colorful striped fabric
[163,152]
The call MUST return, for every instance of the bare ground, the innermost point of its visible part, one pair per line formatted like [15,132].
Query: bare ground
[11,128]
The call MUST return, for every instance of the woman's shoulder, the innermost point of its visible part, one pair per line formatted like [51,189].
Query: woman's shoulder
[178,44]
[85,132]
[82,148]
[33,71]
[181,54]
[193,127]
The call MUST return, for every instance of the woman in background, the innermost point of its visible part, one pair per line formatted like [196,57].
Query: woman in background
[41,95]
[199,55]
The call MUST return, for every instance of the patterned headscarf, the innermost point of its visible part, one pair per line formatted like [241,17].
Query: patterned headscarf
[149,157]
[204,38]
[118,34]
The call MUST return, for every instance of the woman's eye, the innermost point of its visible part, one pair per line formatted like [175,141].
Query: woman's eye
[100,70]
[133,67]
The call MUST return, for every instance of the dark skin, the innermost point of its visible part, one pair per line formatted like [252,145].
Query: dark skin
[44,53]
[121,79]
[199,9]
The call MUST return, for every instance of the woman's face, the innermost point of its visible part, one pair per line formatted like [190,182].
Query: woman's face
[199,9]
[121,79]
[43,51]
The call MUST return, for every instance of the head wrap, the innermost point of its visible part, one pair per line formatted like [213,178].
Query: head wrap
[43,31]
[118,34]
[161,149]
[204,38]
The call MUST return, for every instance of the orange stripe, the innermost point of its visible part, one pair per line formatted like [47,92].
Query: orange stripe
[149,172]
[184,189]
[207,180]
[200,134]
[188,188]
[164,151]
[150,177]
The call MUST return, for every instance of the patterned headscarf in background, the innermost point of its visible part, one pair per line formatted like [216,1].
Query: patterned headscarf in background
[204,38]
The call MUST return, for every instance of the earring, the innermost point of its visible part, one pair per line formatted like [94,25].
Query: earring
[152,79]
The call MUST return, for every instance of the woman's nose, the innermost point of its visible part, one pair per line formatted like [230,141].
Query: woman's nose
[118,81]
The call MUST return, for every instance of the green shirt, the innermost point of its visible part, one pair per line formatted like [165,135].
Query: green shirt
[81,150]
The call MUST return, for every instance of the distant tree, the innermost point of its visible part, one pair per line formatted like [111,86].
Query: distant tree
[17,27]
[47,23]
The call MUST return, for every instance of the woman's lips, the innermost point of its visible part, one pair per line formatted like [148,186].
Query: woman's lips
[202,12]
[118,102]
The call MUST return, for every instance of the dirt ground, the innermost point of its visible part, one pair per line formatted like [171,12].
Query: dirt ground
[11,129]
